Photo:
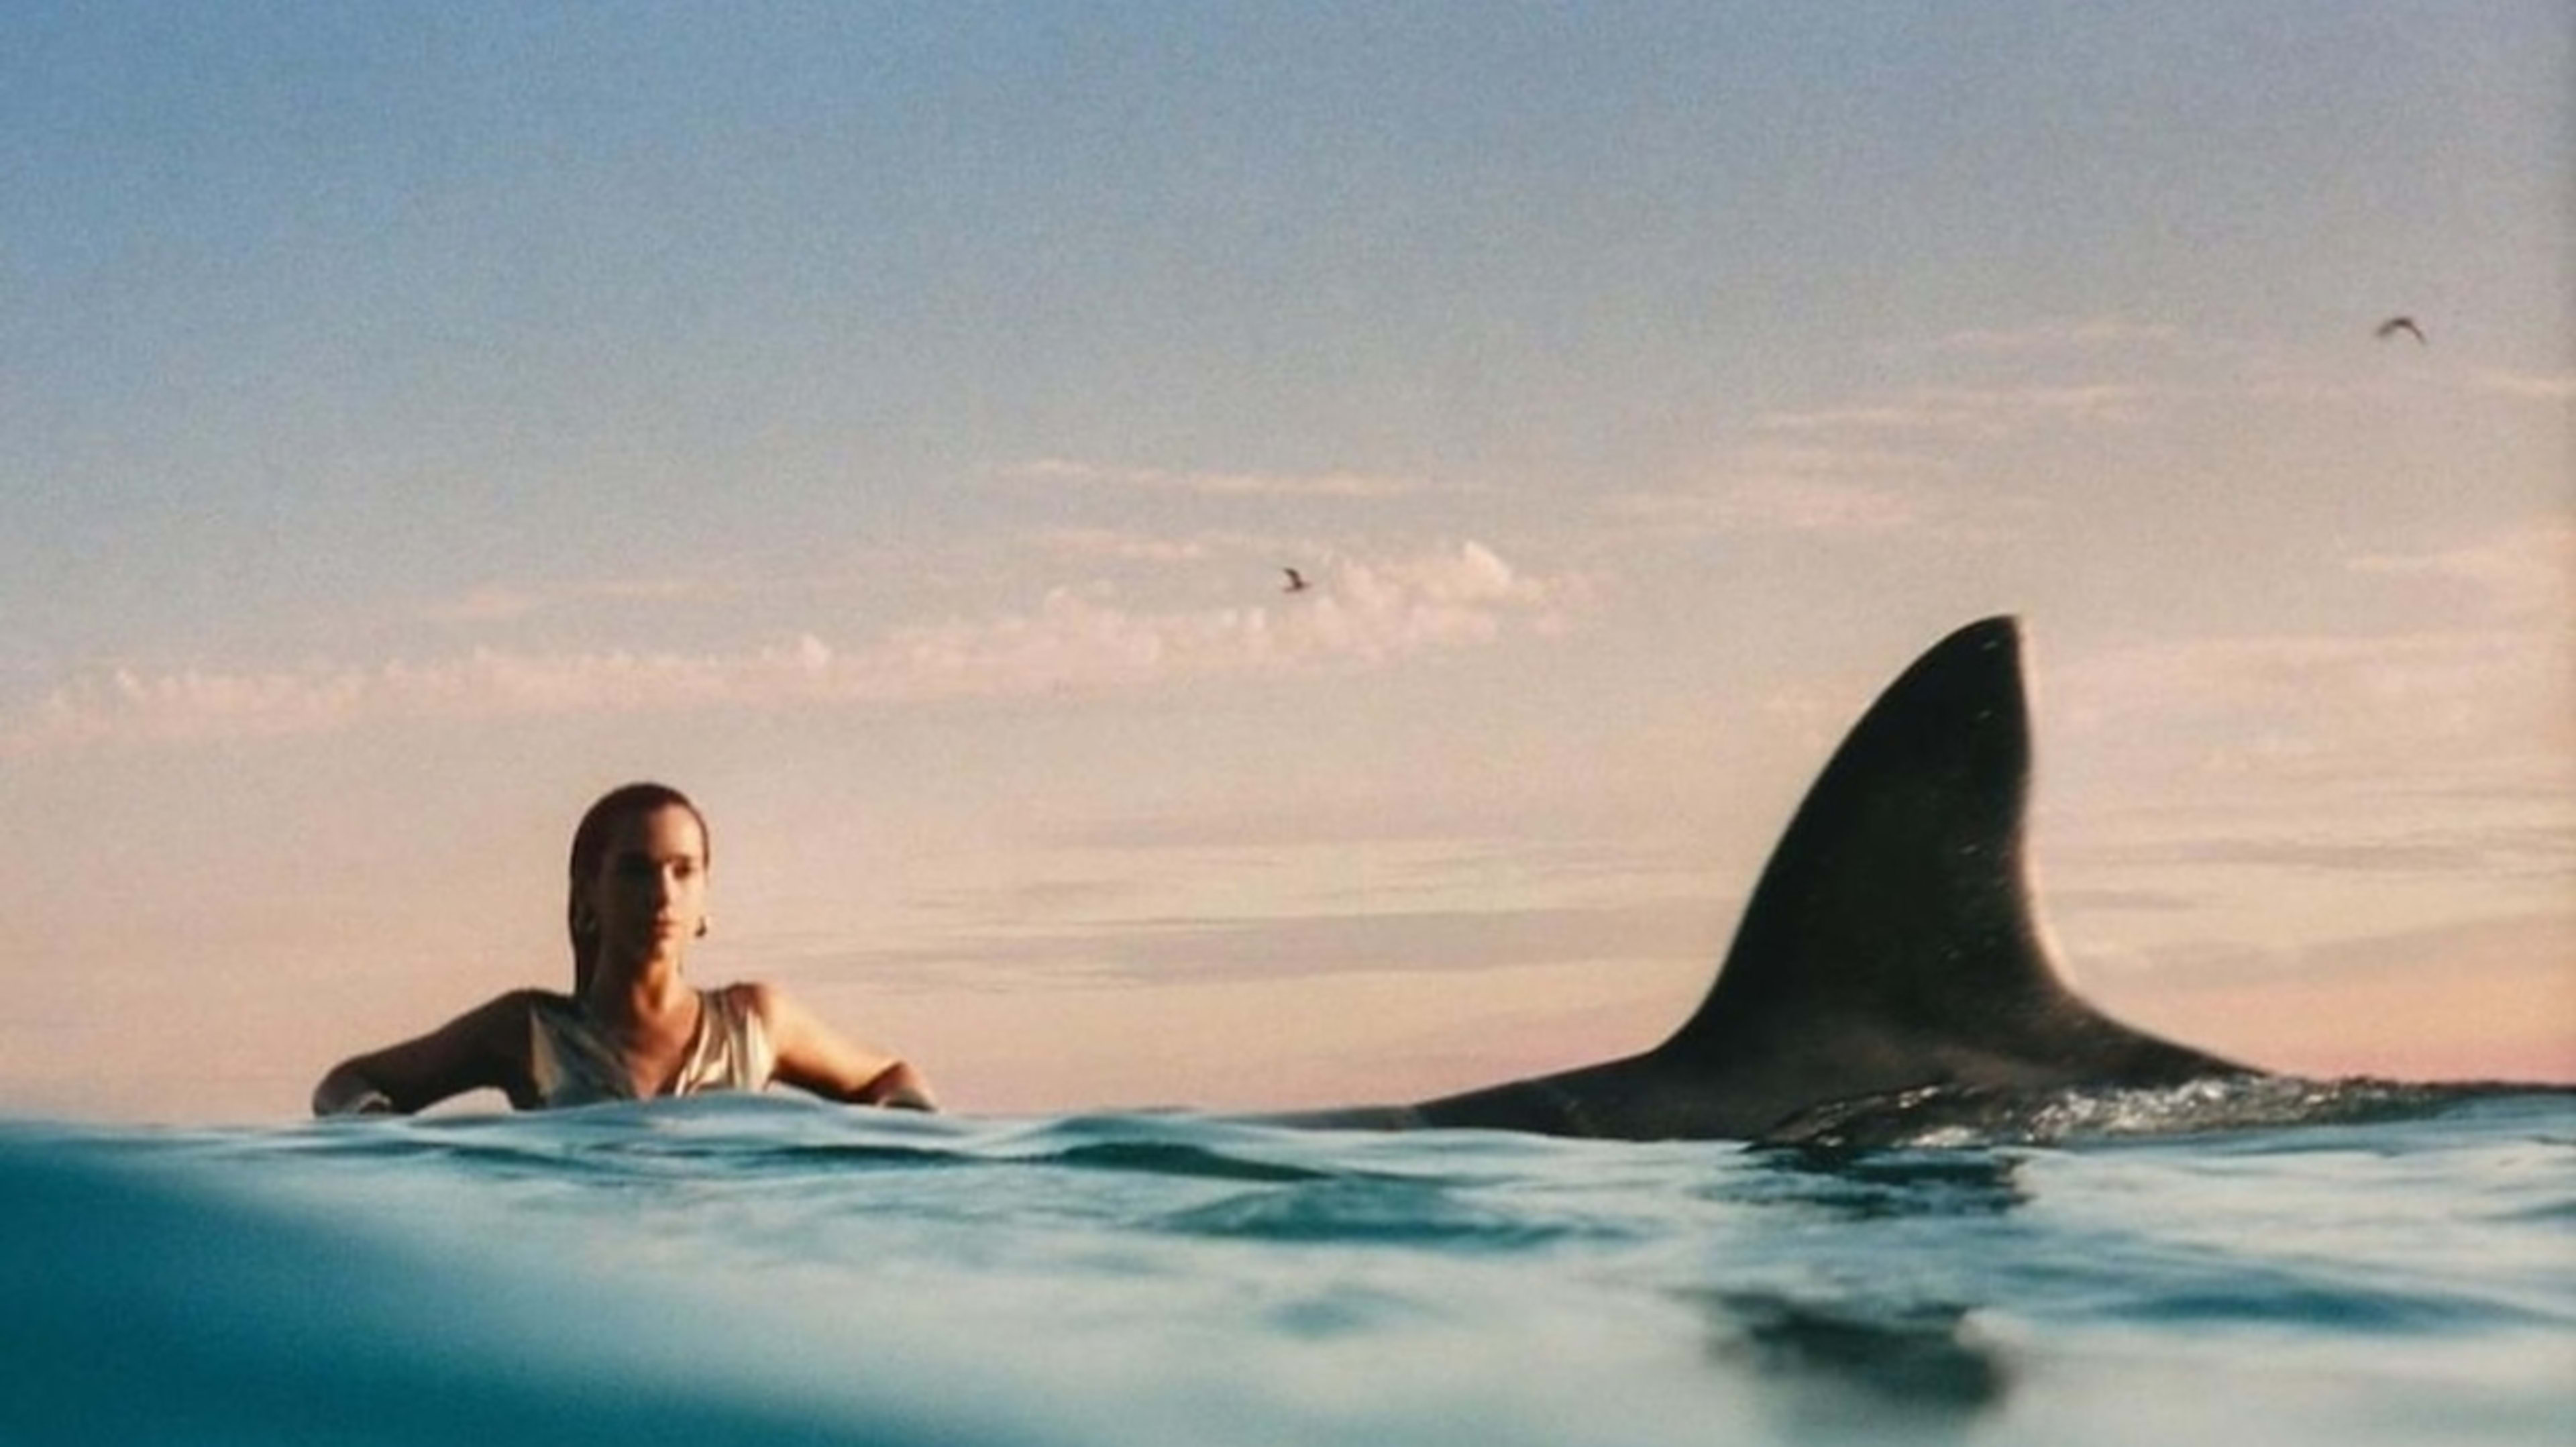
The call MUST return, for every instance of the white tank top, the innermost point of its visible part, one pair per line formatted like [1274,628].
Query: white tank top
[574,1064]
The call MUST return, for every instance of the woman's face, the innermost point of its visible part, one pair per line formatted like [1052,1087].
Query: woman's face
[650,892]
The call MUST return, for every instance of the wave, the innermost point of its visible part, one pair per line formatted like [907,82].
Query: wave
[156,1308]
[767,1269]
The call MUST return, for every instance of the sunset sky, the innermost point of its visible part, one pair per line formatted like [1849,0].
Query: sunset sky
[889,424]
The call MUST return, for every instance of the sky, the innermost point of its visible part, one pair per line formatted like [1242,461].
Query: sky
[889,423]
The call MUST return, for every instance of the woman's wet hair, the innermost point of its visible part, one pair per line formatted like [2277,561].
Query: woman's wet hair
[590,845]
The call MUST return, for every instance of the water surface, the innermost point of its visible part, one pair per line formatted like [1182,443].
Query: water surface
[2256,1263]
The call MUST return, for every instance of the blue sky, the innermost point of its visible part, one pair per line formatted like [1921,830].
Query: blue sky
[888,422]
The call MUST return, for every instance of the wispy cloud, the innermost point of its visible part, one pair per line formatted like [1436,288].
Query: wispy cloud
[1976,413]
[1076,640]
[1331,484]
[1778,503]
[2475,702]
[1790,503]
[2483,853]
[2045,337]
[2560,387]
[505,603]
[1431,940]
[1121,546]
[491,603]
[1803,487]
[2458,708]
[2425,676]
[2526,573]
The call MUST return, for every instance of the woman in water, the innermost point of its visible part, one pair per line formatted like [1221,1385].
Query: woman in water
[632,1028]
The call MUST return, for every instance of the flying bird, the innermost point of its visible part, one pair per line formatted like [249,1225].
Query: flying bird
[2394,325]
[1296,581]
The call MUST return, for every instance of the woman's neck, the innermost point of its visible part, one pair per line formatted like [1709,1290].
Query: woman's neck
[642,990]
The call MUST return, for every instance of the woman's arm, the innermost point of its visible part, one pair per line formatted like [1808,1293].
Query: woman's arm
[485,1046]
[810,1056]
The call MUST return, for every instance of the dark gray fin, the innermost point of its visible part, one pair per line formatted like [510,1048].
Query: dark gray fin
[1895,914]
[1889,946]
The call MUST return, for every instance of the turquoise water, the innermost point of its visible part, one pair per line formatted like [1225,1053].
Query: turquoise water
[2256,1263]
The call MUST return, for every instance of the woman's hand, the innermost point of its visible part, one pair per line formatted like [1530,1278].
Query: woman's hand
[347,1092]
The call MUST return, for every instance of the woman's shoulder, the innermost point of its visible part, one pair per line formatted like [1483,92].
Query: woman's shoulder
[530,1000]
[504,1019]
[781,1018]
[751,997]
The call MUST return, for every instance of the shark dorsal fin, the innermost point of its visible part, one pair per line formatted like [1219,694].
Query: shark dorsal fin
[1899,890]
[1891,944]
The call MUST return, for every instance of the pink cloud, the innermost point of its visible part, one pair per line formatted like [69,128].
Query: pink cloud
[1359,614]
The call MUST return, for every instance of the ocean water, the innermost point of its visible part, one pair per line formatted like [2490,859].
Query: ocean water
[2258,1262]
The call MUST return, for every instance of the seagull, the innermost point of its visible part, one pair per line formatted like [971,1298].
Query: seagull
[1296,581]
[2394,325]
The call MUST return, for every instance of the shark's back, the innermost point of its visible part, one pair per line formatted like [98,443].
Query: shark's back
[1891,942]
